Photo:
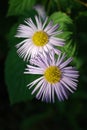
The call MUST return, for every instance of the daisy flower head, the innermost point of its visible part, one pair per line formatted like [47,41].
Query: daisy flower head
[56,77]
[38,37]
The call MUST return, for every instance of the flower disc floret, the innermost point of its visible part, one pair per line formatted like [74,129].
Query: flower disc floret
[52,74]
[40,38]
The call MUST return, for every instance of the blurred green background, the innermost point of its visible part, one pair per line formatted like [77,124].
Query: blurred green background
[18,110]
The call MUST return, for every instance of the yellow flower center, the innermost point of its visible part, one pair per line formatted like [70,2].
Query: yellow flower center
[52,74]
[40,38]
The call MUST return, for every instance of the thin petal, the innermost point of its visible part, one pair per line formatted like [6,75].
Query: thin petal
[53,29]
[69,82]
[60,59]
[34,82]
[63,90]
[41,90]
[33,70]
[24,31]
[31,24]
[65,63]
[71,75]
[38,22]
[66,86]
[56,42]
[19,44]
[38,86]
[48,26]
[58,92]
[53,99]
[44,23]
[55,33]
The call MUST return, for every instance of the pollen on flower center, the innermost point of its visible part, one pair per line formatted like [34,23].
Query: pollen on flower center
[40,38]
[52,74]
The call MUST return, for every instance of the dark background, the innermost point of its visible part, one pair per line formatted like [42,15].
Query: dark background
[35,115]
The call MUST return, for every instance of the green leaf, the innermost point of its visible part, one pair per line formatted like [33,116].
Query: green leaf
[67,26]
[15,78]
[18,7]
[12,40]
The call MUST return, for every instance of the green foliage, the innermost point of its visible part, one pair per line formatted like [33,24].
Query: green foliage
[67,26]
[11,36]
[18,7]
[15,78]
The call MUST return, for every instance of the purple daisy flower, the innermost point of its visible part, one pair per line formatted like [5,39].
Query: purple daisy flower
[39,37]
[57,77]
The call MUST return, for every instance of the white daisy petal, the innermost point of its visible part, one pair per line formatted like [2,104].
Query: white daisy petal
[70,71]
[57,90]
[41,90]
[56,42]
[38,22]
[71,75]
[65,63]
[70,82]
[63,90]
[66,86]
[55,33]
[53,99]
[31,24]
[53,29]
[25,30]
[49,92]
[57,51]
[44,96]
[18,45]
[37,86]
[34,82]
[39,63]
[48,26]
[44,24]
[60,59]
[33,70]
